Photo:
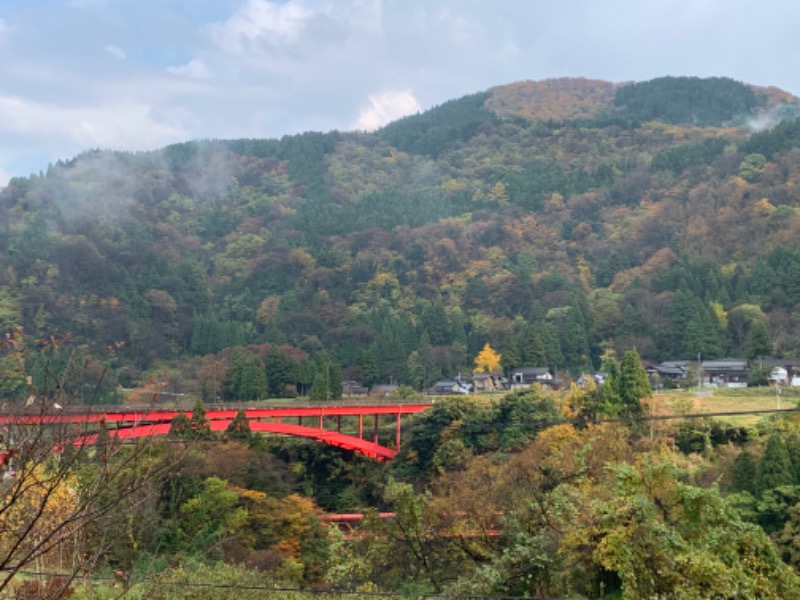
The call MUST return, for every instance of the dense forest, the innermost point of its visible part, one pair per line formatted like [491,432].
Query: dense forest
[563,222]
[568,223]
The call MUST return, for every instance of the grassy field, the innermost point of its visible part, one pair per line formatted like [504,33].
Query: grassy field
[721,400]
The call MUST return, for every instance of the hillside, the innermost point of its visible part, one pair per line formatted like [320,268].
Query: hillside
[560,221]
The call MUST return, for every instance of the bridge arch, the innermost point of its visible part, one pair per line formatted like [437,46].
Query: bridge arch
[131,425]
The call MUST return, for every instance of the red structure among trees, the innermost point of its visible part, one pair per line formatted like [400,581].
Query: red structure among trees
[320,423]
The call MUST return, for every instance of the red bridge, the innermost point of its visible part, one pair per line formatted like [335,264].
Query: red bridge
[326,423]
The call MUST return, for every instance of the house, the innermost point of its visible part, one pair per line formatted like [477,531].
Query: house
[353,388]
[784,371]
[729,372]
[487,382]
[383,389]
[674,371]
[524,377]
[448,387]
[779,375]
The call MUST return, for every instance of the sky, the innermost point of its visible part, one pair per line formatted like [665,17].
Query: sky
[137,75]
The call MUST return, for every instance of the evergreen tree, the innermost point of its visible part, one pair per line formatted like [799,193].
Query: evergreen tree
[609,403]
[759,343]
[703,335]
[552,347]
[435,323]
[681,310]
[368,365]
[327,381]
[633,383]
[239,428]
[180,427]
[336,384]
[775,468]
[743,473]
[233,378]
[281,372]
[253,383]
[319,389]
[793,445]
[415,371]
[199,425]
[533,352]
[510,357]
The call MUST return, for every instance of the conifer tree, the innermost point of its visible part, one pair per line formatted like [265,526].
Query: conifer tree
[759,343]
[552,348]
[281,372]
[633,383]
[368,364]
[253,382]
[743,473]
[533,352]
[510,357]
[327,383]
[199,424]
[775,467]
[239,428]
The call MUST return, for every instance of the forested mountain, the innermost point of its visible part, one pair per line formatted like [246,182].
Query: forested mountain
[559,221]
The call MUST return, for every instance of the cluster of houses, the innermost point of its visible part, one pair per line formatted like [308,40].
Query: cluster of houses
[729,372]
[519,378]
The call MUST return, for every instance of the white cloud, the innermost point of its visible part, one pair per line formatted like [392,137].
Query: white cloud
[386,107]
[115,51]
[261,21]
[4,178]
[124,126]
[195,69]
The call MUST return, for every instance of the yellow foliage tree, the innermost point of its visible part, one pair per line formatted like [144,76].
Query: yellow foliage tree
[32,521]
[487,361]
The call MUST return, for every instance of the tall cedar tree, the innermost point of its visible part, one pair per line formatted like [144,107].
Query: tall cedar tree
[775,468]
[239,428]
[743,473]
[200,425]
[533,349]
[633,383]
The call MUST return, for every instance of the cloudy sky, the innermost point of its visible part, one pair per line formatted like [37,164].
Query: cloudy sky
[141,74]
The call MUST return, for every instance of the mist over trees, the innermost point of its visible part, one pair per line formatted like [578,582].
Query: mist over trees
[652,221]
[570,224]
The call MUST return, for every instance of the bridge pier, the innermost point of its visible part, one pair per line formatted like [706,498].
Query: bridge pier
[397,432]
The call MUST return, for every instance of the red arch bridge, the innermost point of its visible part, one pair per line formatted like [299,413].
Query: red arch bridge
[320,423]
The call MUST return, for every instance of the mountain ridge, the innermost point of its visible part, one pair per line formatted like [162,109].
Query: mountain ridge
[400,253]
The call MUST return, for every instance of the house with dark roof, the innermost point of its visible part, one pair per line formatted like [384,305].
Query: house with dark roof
[448,387]
[525,377]
[383,389]
[729,372]
[673,371]
[353,388]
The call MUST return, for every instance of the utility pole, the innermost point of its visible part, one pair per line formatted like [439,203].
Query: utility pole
[698,372]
